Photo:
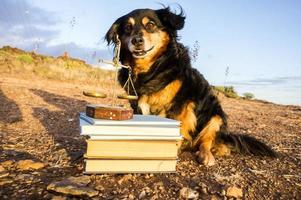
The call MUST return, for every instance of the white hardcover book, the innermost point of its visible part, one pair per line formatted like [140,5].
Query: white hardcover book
[135,137]
[116,130]
[138,120]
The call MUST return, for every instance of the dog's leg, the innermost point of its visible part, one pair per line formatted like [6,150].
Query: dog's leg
[205,141]
[162,113]
[188,119]
[143,105]
[221,150]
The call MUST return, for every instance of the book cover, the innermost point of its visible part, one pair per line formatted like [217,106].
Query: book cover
[134,137]
[132,149]
[138,120]
[129,166]
[95,130]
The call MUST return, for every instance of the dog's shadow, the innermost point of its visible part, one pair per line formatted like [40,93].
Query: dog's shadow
[62,124]
[9,110]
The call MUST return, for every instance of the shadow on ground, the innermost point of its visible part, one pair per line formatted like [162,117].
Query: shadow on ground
[62,124]
[9,110]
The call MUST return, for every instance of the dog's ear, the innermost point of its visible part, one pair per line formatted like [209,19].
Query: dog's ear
[112,32]
[170,19]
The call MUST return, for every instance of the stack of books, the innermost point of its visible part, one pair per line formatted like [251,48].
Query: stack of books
[144,144]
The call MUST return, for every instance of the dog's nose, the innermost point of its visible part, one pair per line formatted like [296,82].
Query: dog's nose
[137,40]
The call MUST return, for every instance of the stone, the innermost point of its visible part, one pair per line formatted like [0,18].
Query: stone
[131,196]
[58,198]
[154,197]
[29,165]
[142,194]
[2,169]
[76,186]
[3,174]
[125,178]
[7,164]
[213,197]
[5,181]
[188,193]
[234,192]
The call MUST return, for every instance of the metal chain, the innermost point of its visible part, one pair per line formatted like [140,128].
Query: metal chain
[116,63]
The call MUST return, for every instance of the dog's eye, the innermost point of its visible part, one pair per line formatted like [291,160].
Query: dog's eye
[128,28]
[150,26]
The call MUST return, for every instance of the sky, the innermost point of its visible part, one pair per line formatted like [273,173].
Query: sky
[259,41]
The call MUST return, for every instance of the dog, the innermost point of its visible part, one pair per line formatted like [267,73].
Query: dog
[168,86]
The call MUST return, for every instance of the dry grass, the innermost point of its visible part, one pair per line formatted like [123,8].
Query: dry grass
[17,62]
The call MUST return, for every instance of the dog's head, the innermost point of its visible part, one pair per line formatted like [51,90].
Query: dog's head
[145,33]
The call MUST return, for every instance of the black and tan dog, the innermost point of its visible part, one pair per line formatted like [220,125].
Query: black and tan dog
[168,86]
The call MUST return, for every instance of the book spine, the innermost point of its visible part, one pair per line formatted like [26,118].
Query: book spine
[115,130]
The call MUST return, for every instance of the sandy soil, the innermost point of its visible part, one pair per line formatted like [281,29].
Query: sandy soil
[39,122]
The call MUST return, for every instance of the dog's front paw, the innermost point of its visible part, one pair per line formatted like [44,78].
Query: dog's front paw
[205,158]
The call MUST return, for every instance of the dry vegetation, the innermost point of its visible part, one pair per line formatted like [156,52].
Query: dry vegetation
[14,61]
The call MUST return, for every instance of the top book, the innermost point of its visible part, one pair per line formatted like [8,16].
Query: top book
[138,120]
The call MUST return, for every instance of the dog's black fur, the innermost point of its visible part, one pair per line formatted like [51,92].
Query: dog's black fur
[174,64]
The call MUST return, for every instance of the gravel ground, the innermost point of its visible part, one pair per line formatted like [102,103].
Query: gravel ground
[40,145]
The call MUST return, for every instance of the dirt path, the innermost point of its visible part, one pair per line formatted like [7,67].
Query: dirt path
[39,122]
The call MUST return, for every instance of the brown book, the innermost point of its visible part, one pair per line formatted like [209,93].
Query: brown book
[109,112]
[129,166]
[132,149]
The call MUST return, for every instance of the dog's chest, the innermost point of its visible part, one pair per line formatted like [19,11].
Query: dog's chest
[159,102]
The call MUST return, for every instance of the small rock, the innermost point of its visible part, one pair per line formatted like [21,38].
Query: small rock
[3,134]
[24,177]
[125,178]
[29,165]
[59,198]
[5,181]
[131,196]
[99,188]
[204,190]
[234,192]
[187,193]
[154,197]
[7,164]
[3,174]
[214,197]
[80,180]
[142,194]
[76,186]
[161,188]
[147,190]
[2,169]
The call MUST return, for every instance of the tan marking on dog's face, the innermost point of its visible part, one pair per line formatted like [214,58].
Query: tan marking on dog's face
[188,119]
[131,21]
[159,41]
[155,41]
[145,20]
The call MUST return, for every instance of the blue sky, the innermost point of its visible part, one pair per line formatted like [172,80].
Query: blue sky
[259,40]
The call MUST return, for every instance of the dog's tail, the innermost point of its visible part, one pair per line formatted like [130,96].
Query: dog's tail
[245,144]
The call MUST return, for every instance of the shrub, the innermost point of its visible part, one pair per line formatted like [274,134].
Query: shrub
[248,95]
[228,91]
[25,58]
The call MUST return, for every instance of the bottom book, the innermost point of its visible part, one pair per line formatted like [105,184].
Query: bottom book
[130,166]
